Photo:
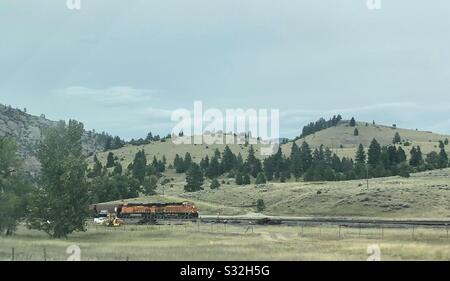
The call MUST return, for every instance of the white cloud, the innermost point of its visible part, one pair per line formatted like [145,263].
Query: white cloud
[113,96]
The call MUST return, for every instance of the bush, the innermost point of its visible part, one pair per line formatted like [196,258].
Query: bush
[214,184]
[260,206]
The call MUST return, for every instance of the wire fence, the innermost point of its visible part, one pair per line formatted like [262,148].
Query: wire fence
[267,233]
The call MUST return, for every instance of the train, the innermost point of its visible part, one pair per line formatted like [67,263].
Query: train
[148,212]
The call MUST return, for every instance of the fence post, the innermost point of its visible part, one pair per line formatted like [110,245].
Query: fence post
[12,254]
[382,232]
[359,231]
[447,230]
[339,231]
[413,232]
[45,254]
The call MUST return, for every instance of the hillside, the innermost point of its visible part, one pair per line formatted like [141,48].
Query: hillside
[341,138]
[27,129]
[332,137]
[424,194]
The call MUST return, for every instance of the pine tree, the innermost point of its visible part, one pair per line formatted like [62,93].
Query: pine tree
[97,170]
[214,184]
[443,159]
[228,159]
[305,155]
[397,138]
[246,179]
[416,157]
[401,155]
[214,168]
[260,179]
[356,132]
[360,157]
[352,122]
[139,166]
[150,185]
[194,178]
[296,161]
[260,206]
[374,153]
[239,180]
[117,169]
[110,160]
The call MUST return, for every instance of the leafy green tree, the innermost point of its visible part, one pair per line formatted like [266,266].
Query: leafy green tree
[14,192]
[60,204]
[194,178]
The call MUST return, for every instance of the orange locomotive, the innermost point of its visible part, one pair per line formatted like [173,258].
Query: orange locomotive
[152,211]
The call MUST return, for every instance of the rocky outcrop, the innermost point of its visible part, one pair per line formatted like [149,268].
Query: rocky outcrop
[27,129]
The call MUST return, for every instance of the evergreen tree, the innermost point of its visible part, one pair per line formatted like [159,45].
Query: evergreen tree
[401,155]
[416,157]
[228,159]
[296,161]
[150,184]
[194,178]
[117,169]
[253,164]
[260,179]
[260,206]
[356,132]
[214,168]
[305,155]
[352,122]
[239,180]
[97,170]
[374,153]
[397,138]
[60,204]
[360,157]
[139,166]
[187,161]
[110,160]
[246,179]
[214,184]
[443,159]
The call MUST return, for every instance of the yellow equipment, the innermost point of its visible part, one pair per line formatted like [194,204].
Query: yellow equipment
[112,220]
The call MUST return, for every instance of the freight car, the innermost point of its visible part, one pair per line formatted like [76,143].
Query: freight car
[150,212]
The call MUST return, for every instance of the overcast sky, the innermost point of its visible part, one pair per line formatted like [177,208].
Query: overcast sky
[123,66]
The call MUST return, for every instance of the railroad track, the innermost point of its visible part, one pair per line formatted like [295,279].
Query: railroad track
[287,220]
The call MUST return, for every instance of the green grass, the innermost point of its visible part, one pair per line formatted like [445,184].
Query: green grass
[215,242]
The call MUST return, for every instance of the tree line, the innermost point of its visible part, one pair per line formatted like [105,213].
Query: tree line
[305,163]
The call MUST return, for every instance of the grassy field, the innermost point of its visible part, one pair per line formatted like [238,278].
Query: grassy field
[423,195]
[219,242]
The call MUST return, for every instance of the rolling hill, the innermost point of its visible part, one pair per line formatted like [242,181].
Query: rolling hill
[340,139]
